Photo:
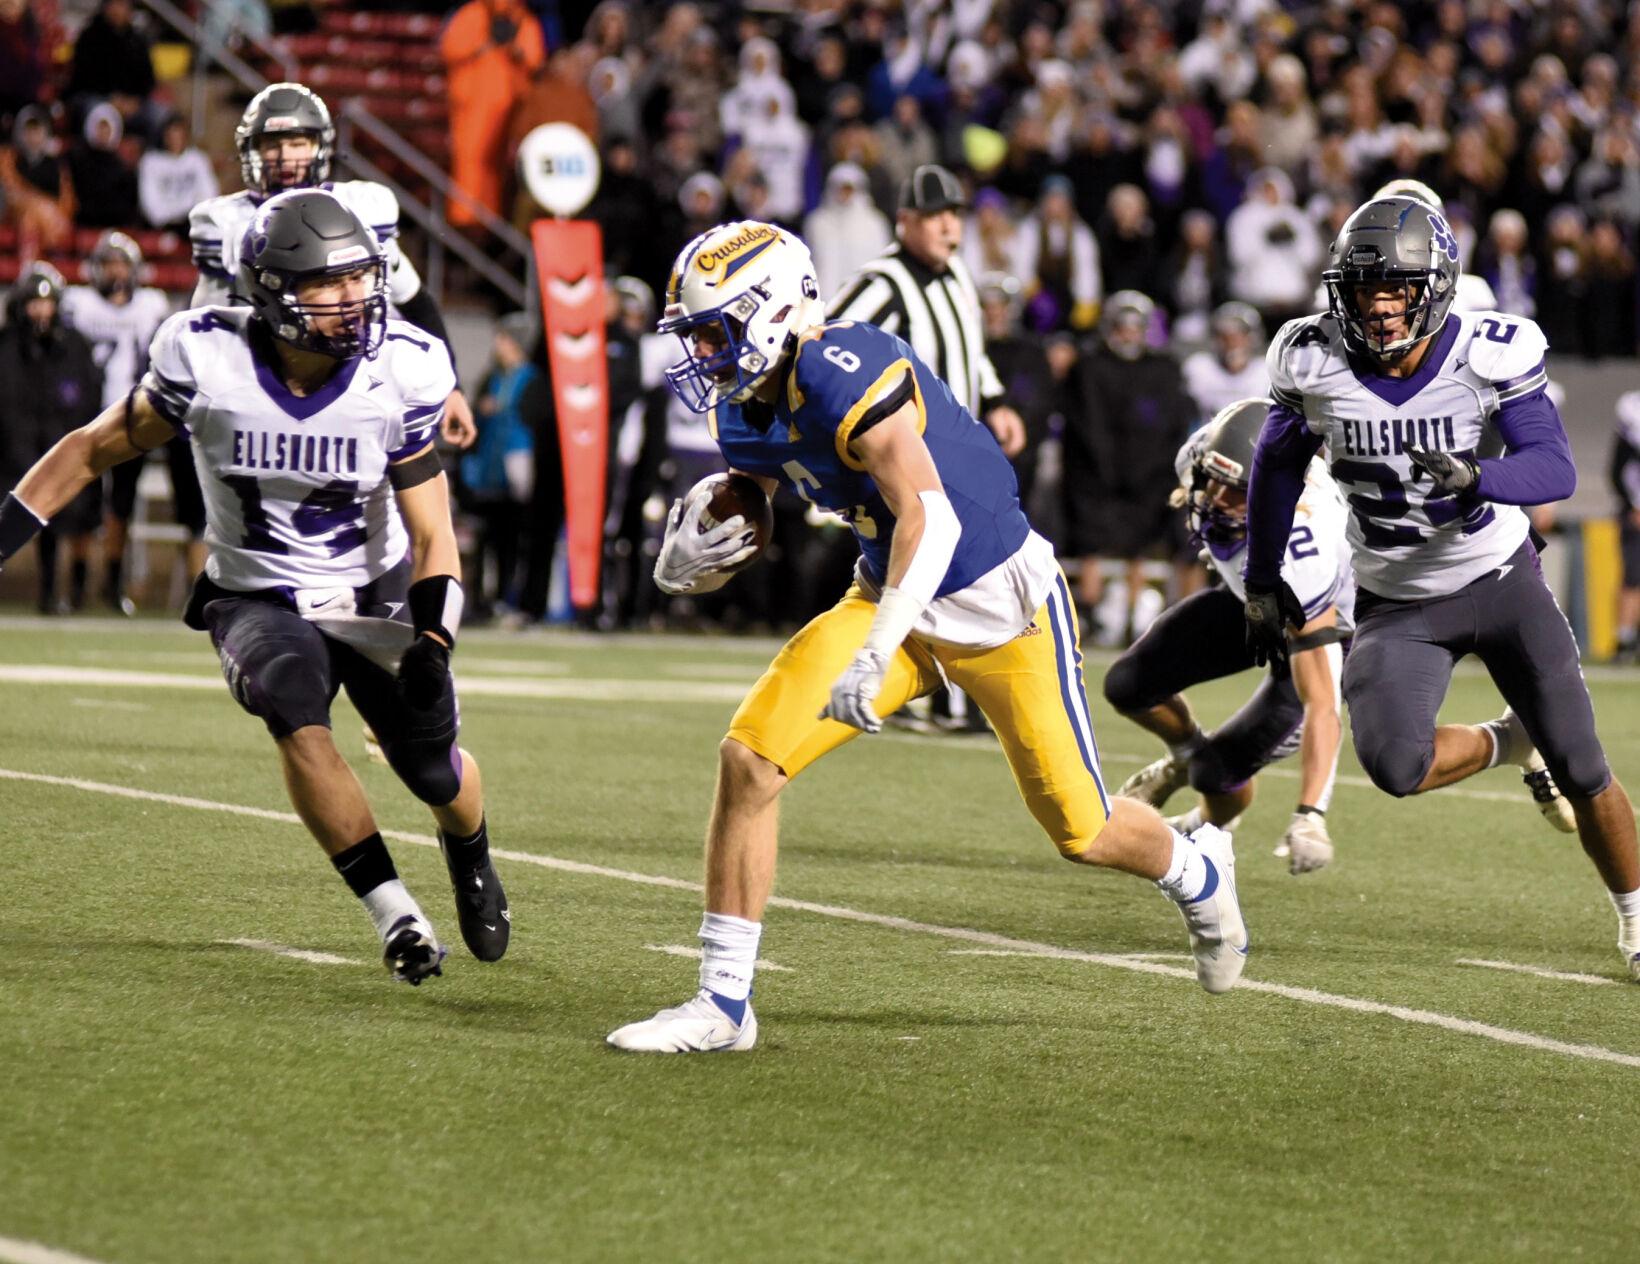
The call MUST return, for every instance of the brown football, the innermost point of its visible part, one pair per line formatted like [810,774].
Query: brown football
[733,494]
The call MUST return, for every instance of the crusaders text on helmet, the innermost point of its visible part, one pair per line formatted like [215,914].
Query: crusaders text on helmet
[111,246]
[304,235]
[1388,244]
[738,297]
[279,110]
[1224,454]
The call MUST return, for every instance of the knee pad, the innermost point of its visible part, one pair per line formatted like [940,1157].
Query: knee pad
[1398,767]
[1582,772]
[287,693]
[430,771]
[1124,687]
[1210,773]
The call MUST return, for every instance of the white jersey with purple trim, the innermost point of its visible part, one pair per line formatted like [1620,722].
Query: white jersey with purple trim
[1407,543]
[1316,564]
[119,333]
[296,490]
[1212,386]
[216,227]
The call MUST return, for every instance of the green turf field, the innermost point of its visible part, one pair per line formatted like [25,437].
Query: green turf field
[996,1076]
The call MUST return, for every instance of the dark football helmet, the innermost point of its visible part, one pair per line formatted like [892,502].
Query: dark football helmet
[38,280]
[111,247]
[284,109]
[302,235]
[1393,242]
[1224,454]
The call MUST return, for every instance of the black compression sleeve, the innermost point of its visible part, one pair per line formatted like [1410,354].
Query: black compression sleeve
[420,468]
[18,525]
[422,312]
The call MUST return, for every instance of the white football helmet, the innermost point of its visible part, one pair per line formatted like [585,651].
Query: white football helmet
[738,297]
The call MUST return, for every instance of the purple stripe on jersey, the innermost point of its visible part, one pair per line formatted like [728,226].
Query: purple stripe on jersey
[1285,447]
[302,407]
[1318,604]
[421,412]
[1537,469]
[1397,390]
[1514,382]
[411,447]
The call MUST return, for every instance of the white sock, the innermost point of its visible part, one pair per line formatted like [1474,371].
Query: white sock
[1627,905]
[1185,749]
[729,954]
[1187,872]
[387,903]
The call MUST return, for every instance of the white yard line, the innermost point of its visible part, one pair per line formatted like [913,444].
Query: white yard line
[1126,956]
[16,1251]
[296,954]
[1307,996]
[1541,972]
[679,950]
[108,704]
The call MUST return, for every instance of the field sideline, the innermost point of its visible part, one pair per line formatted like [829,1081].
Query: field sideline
[971,1050]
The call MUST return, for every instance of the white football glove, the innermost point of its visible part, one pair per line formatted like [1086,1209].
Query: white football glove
[690,558]
[1308,846]
[856,689]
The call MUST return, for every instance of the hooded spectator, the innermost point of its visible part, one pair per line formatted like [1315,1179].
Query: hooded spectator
[1273,248]
[112,60]
[845,230]
[779,146]
[746,106]
[701,200]
[104,183]
[1195,279]
[1507,265]
[988,244]
[1128,247]
[1289,126]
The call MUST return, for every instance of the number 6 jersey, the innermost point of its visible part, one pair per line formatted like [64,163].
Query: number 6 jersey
[1408,541]
[296,489]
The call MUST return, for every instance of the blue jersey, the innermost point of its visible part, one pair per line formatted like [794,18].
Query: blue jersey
[840,382]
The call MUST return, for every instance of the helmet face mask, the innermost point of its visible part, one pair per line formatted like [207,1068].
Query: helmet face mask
[1220,473]
[738,296]
[303,237]
[1393,277]
[281,112]
[114,264]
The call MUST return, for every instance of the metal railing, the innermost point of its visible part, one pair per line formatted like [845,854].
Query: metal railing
[353,117]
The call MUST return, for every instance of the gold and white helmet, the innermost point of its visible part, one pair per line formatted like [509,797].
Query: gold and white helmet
[738,297]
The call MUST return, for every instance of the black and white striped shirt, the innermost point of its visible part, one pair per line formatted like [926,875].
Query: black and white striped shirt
[937,313]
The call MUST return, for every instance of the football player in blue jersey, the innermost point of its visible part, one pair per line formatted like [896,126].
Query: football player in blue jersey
[951,582]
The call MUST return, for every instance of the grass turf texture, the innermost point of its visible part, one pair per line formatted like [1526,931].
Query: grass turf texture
[171,1099]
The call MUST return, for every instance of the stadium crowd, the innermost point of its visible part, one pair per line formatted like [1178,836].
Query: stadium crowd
[1195,156]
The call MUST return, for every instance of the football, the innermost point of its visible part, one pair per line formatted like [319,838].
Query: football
[732,494]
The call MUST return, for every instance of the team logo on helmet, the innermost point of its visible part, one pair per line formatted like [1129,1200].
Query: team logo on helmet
[737,252]
[1441,237]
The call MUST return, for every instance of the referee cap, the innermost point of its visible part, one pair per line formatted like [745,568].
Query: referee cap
[930,189]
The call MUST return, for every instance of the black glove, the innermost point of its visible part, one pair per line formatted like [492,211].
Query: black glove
[1451,472]
[1269,611]
[424,671]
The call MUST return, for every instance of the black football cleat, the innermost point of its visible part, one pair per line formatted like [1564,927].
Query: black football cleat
[481,908]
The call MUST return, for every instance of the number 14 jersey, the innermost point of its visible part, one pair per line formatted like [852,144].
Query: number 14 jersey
[1408,541]
[296,490]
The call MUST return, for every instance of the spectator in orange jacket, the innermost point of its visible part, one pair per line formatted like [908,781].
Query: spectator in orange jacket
[491,50]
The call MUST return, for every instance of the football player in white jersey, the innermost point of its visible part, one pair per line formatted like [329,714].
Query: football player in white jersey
[286,141]
[1200,638]
[1233,369]
[1405,393]
[119,318]
[332,559]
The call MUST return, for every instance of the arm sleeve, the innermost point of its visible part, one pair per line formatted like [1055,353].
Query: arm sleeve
[1538,469]
[1285,448]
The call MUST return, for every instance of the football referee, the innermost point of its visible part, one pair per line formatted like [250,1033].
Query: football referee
[920,290]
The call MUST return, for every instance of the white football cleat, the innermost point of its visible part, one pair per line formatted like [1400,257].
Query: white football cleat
[1218,936]
[1628,943]
[1308,847]
[696,1026]
[1157,782]
[1517,748]
[410,950]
